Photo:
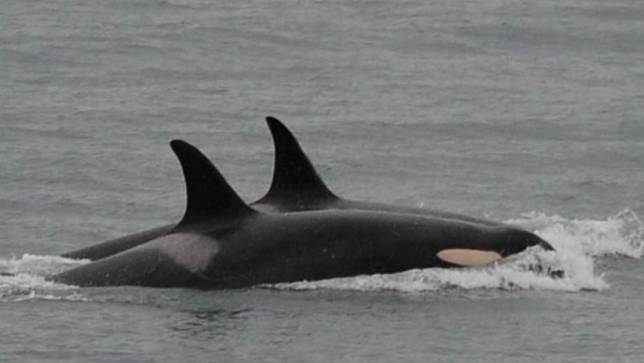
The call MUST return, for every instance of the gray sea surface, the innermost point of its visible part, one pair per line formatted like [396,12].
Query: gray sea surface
[526,112]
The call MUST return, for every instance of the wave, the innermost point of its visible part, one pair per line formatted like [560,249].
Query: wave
[579,244]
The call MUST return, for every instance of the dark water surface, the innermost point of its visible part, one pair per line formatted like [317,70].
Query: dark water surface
[529,113]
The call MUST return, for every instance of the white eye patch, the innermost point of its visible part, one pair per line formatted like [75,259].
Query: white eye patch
[468,257]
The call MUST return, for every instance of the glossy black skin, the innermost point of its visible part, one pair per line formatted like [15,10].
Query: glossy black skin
[296,186]
[305,232]
[120,244]
[223,243]
[274,205]
[271,248]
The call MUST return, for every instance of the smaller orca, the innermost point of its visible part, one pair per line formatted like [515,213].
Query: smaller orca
[221,242]
[296,186]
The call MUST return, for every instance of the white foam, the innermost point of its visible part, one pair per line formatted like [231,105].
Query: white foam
[24,278]
[578,244]
[33,295]
[38,265]
[621,234]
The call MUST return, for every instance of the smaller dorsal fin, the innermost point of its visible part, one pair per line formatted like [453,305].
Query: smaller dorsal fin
[295,180]
[209,194]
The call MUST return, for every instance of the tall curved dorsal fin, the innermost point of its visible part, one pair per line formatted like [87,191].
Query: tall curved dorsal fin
[209,194]
[294,177]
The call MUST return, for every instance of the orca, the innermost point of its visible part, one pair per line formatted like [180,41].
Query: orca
[296,186]
[221,242]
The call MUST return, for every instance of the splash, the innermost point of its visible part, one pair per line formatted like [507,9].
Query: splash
[618,235]
[578,243]
[23,279]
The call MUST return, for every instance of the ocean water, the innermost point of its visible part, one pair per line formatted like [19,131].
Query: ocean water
[519,111]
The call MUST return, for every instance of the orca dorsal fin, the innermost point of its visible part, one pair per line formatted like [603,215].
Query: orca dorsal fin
[209,194]
[295,180]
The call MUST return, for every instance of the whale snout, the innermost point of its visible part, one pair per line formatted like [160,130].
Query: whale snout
[520,240]
[545,245]
[534,240]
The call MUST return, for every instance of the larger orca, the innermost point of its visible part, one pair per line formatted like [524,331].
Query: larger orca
[221,242]
[296,186]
